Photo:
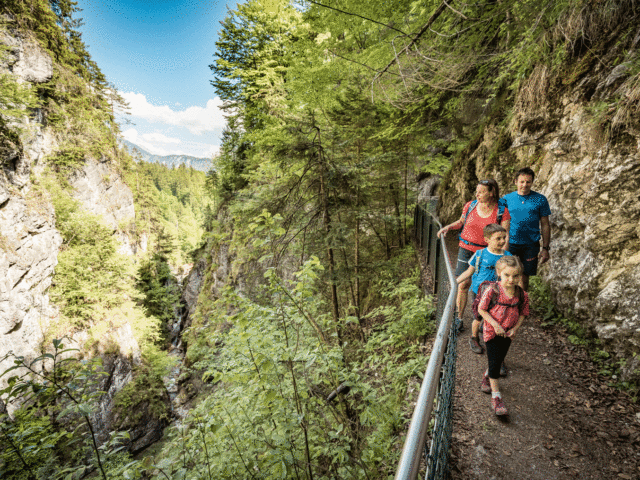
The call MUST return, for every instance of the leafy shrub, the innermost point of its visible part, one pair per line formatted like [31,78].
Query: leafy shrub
[269,414]
[90,274]
[52,435]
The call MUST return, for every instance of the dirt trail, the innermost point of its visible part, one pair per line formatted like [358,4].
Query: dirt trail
[564,421]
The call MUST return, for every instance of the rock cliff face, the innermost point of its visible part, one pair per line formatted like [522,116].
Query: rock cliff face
[103,192]
[144,432]
[29,241]
[595,267]
[591,178]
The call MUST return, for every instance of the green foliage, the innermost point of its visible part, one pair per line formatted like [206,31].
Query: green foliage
[542,301]
[52,434]
[410,316]
[15,98]
[15,102]
[273,369]
[157,283]
[77,102]
[145,395]
[90,275]
[171,200]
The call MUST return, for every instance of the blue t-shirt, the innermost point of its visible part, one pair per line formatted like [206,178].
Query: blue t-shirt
[526,212]
[484,263]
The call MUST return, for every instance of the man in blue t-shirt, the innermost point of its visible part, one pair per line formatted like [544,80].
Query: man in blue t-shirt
[529,222]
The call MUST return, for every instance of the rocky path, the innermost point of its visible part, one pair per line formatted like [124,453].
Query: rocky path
[564,421]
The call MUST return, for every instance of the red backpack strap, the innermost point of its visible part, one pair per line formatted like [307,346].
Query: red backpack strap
[495,296]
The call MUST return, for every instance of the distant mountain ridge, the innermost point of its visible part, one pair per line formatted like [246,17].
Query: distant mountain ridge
[171,161]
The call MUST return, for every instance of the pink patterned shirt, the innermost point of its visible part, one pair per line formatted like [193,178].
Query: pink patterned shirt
[506,316]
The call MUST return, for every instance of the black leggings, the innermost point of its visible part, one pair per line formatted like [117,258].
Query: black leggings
[497,349]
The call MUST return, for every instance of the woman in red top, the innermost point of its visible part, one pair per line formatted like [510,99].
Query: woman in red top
[484,212]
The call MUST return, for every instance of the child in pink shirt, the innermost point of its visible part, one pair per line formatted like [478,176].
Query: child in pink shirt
[503,308]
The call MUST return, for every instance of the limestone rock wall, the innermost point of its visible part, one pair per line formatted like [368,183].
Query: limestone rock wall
[595,267]
[26,61]
[102,191]
[29,241]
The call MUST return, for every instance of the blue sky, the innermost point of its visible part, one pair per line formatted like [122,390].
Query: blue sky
[157,54]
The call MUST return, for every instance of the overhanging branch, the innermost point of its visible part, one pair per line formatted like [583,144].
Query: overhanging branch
[359,16]
[425,27]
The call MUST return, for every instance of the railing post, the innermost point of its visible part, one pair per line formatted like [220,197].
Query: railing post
[422,220]
[415,222]
[427,250]
[436,268]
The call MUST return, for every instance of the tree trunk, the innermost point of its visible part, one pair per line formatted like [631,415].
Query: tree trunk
[326,219]
[404,219]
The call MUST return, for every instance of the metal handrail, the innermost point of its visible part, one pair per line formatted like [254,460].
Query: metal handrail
[413,449]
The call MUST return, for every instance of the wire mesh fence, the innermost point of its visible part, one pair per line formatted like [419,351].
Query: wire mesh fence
[438,454]
[439,381]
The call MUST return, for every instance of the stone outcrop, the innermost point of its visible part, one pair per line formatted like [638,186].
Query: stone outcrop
[28,254]
[591,179]
[28,62]
[29,241]
[595,267]
[192,285]
[143,432]
[102,192]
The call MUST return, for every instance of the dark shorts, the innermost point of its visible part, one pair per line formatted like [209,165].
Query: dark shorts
[528,255]
[497,349]
[464,256]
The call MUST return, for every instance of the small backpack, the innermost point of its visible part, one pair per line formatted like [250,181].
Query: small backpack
[501,207]
[495,295]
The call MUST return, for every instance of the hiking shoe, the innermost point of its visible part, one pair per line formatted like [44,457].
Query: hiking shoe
[475,345]
[498,406]
[503,370]
[485,386]
[460,325]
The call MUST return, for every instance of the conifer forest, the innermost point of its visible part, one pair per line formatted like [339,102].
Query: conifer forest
[268,319]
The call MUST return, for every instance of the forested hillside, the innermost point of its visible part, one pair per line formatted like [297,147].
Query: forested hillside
[170,200]
[305,332]
[88,241]
[335,109]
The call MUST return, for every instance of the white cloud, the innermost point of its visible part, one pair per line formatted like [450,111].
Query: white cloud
[159,144]
[213,151]
[159,138]
[197,119]
[149,145]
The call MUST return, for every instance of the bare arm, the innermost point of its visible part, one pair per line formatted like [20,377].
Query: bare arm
[506,224]
[545,228]
[513,331]
[466,274]
[489,319]
[457,225]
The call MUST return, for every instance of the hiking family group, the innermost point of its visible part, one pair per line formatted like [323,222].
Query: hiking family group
[499,250]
